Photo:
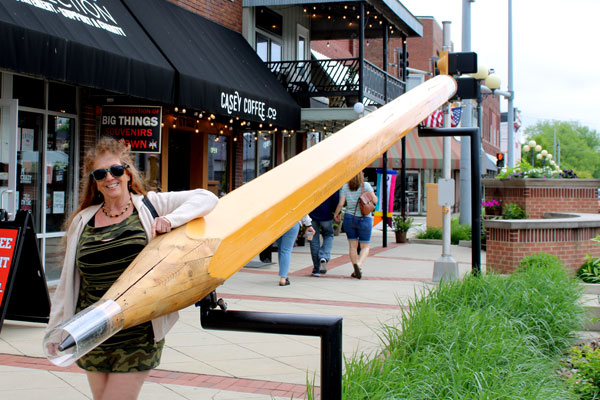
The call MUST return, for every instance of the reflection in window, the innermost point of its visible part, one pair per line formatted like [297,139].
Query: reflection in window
[268,49]
[258,155]
[29,185]
[217,164]
[249,168]
[59,170]
[265,153]
[148,164]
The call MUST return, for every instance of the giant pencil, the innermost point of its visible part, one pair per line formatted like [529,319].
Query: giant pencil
[177,269]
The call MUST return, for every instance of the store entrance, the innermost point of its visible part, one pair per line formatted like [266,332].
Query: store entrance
[179,160]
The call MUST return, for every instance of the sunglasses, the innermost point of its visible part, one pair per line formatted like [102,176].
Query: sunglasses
[116,170]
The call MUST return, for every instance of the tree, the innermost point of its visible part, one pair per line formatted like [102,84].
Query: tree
[579,145]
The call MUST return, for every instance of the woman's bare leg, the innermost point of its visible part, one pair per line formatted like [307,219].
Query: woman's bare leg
[364,252]
[353,247]
[117,386]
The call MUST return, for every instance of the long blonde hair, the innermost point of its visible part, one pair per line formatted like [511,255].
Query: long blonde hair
[89,193]
[356,182]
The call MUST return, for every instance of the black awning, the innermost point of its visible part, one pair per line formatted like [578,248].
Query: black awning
[218,70]
[97,44]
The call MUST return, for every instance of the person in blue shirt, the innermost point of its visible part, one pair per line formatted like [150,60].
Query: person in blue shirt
[322,222]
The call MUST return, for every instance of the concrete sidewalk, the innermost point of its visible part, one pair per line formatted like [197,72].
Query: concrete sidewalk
[204,364]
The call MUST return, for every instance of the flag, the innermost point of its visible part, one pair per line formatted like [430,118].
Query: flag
[435,120]
[455,115]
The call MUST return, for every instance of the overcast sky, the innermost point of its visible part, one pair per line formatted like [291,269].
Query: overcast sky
[555,52]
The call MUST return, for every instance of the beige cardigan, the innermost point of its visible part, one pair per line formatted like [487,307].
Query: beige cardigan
[177,207]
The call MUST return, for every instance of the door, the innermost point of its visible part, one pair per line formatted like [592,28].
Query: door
[179,160]
[8,155]
[413,193]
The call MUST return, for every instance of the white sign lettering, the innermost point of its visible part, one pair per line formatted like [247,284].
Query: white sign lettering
[6,243]
[4,262]
[233,102]
[85,11]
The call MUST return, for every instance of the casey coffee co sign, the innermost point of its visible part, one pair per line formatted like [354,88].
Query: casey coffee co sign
[245,107]
[139,126]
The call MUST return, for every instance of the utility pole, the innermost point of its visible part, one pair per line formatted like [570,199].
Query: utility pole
[446,267]
[467,122]
[511,110]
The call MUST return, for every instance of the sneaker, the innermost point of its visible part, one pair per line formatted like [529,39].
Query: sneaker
[323,263]
[315,272]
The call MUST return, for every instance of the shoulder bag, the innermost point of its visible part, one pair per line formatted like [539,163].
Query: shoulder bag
[366,201]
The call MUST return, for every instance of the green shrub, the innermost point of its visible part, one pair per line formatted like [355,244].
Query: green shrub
[513,211]
[431,232]
[488,337]
[582,371]
[589,272]
[459,232]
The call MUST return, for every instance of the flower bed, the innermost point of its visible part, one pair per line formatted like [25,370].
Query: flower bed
[540,195]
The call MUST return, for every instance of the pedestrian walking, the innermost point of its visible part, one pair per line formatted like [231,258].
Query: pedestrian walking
[357,226]
[322,222]
[285,245]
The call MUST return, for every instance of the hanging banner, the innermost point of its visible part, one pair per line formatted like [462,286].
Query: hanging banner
[139,126]
[391,185]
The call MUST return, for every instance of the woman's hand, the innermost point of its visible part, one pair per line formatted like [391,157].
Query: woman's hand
[310,229]
[337,217]
[160,225]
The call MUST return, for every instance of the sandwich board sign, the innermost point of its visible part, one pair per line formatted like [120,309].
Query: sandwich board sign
[23,290]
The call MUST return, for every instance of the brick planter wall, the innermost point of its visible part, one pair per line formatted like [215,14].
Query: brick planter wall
[539,196]
[566,236]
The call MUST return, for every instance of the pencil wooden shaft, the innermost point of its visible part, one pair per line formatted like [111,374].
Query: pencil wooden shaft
[183,266]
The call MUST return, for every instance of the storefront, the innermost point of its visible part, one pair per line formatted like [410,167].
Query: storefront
[65,65]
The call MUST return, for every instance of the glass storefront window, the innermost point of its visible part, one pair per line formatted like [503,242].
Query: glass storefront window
[289,146]
[29,185]
[217,164]
[62,98]
[249,168]
[258,154]
[265,153]
[29,91]
[149,167]
[59,170]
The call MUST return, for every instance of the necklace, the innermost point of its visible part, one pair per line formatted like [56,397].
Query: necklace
[116,215]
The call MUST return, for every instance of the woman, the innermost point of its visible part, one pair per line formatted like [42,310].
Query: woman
[285,245]
[357,227]
[109,228]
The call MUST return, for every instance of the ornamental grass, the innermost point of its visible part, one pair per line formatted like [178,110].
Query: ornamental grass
[488,337]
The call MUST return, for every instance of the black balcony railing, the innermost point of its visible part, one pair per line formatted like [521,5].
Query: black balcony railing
[336,79]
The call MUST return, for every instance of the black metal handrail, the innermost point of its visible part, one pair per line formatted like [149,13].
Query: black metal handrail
[336,78]
[327,327]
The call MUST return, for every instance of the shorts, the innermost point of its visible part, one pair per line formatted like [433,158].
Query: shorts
[358,228]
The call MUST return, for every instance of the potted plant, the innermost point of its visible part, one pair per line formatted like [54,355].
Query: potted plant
[401,225]
[492,207]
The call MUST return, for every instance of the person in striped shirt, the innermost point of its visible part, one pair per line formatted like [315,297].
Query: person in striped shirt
[357,226]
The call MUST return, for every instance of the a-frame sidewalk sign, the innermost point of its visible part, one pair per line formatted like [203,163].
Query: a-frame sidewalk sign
[23,289]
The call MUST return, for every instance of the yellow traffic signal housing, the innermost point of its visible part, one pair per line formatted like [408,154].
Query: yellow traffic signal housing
[442,63]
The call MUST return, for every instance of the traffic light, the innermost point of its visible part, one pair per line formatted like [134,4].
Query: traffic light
[499,160]
[456,63]
[404,59]
[442,63]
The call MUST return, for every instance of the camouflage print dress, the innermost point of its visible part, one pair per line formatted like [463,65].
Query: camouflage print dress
[102,255]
